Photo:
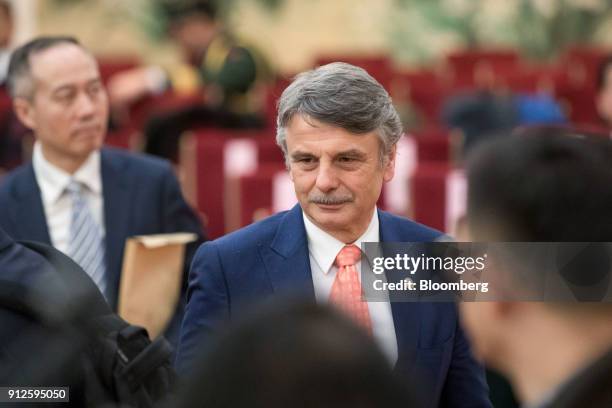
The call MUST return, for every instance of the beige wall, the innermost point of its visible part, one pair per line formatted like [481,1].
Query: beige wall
[108,27]
[299,31]
[292,36]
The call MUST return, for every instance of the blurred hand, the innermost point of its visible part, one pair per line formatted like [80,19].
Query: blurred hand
[126,87]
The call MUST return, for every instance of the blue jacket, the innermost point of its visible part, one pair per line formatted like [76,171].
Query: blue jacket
[271,258]
[141,196]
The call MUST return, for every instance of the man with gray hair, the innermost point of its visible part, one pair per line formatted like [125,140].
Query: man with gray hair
[338,131]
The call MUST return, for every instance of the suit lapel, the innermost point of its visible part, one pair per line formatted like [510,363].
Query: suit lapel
[406,315]
[117,207]
[287,259]
[29,211]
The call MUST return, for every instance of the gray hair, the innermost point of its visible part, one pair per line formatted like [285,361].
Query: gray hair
[19,75]
[341,95]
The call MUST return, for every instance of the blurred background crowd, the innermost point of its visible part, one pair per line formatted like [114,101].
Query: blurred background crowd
[206,77]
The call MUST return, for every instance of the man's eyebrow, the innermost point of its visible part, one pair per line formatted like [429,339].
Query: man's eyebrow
[63,87]
[300,154]
[71,85]
[351,153]
[96,80]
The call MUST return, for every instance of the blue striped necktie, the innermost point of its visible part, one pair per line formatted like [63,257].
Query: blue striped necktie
[86,245]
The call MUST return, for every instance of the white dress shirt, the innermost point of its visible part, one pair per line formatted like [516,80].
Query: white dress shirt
[57,203]
[323,249]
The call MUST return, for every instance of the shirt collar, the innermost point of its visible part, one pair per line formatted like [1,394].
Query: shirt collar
[53,180]
[323,247]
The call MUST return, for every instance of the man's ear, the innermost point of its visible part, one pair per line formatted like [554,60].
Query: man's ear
[389,165]
[24,110]
[290,173]
[288,166]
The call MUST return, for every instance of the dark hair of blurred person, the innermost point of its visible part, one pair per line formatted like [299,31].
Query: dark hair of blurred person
[542,184]
[192,24]
[292,354]
[551,185]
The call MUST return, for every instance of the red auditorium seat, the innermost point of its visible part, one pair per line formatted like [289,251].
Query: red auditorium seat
[532,79]
[583,63]
[6,104]
[112,65]
[201,162]
[424,89]
[124,137]
[211,157]
[5,99]
[580,103]
[433,145]
[254,195]
[464,65]
[273,93]
[379,66]
[428,186]
[128,134]
[268,151]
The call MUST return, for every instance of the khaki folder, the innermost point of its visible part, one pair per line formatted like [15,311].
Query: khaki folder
[151,279]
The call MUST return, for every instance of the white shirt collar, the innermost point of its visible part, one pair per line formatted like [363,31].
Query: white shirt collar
[53,181]
[323,247]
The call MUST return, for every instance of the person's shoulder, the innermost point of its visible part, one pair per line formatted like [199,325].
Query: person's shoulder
[136,163]
[16,178]
[252,236]
[404,229]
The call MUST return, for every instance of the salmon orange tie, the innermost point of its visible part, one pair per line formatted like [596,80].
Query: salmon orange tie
[346,290]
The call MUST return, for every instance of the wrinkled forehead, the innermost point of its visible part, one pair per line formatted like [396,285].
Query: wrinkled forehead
[311,134]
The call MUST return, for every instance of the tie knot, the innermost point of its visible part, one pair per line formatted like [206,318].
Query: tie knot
[74,187]
[349,255]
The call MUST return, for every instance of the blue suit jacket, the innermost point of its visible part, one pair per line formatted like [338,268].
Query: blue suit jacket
[26,274]
[20,265]
[271,257]
[141,196]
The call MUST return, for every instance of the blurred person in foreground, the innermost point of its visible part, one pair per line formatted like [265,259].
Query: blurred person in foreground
[31,353]
[292,354]
[338,131]
[76,195]
[229,73]
[550,186]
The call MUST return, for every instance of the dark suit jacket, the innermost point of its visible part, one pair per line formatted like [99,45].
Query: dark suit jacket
[141,196]
[23,273]
[271,258]
[18,264]
[25,340]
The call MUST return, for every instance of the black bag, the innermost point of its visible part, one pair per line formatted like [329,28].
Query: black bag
[122,366]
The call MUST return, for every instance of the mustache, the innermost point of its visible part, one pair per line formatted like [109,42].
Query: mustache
[330,199]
